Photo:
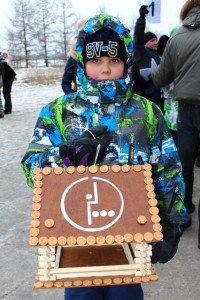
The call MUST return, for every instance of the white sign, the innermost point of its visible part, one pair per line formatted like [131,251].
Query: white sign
[154,10]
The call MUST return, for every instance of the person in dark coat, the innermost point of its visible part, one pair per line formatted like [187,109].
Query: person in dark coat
[8,79]
[145,54]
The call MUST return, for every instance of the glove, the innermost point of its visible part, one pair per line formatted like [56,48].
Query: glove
[162,252]
[83,149]
[143,11]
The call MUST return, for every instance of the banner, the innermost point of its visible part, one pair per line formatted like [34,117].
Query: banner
[154,8]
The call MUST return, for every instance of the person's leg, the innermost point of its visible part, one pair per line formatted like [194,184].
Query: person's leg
[188,140]
[84,293]
[7,85]
[126,292]
[1,107]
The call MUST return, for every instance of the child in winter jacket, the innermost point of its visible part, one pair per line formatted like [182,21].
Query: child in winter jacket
[105,111]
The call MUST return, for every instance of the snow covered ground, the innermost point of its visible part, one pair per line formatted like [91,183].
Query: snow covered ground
[31,96]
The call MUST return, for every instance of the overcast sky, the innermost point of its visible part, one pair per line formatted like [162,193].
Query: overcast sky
[126,10]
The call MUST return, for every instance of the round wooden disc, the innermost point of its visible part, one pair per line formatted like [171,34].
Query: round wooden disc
[36,206]
[91,240]
[81,240]
[147,174]
[137,279]
[35,214]
[137,168]
[128,237]
[62,240]
[142,220]
[119,238]
[127,280]
[34,231]
[117,280]
[48,284]
[37,198]
[70,170]
[37,171]
[93,169]
[126,168]
[104,169]
[97,281]
[35,223]
[71,240]
[150,187]
[43,240]
[147,167]
[67,283]
[151,195]
[155,219]
[38,285]
[145,279]
[46,171]
[138,237]
[77,282]
[107,281]
[100,239]
[110,239]
[148,236]
[154,277]
[148,180]
[58,170]
[158,236]
[115,168]
[52,241]
[37,191]
[33,241]
[38,177]
[58,284]
[157,227]
[87,282]
[81,169]
[153,202]
[49,223]
[153,210]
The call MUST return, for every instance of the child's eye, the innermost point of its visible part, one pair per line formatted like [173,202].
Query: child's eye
[95,60]
[116,60]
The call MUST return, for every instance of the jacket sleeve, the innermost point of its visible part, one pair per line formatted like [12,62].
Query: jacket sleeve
[69,76]
[169,189]
[163,75]
[139,50]
[43,150]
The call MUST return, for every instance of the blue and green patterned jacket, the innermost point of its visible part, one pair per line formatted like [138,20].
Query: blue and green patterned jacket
[131,118]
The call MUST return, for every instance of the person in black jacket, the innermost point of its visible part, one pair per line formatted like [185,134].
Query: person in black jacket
[8,79]
[69,76]
[2,72]
[145,54]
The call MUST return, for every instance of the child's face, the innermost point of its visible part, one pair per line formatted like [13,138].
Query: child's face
[105,68]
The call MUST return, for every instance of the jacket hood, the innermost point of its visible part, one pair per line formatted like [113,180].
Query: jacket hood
[110,90]
[191,17]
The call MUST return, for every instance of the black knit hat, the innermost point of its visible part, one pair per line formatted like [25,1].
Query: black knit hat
[148,36]
[104,42]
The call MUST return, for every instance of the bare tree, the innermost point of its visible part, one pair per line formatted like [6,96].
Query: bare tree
[45,27]
[20,33]
[66,26]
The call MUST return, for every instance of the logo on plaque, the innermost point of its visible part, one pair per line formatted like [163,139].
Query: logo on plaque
[85,205]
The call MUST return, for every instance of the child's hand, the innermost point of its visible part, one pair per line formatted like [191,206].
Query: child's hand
[89,148]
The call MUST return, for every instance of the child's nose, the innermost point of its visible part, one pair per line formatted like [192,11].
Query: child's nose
[106,68]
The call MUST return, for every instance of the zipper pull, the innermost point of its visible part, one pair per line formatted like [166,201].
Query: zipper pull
[131,151]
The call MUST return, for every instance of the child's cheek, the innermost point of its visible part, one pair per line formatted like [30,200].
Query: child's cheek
[118,73]
[91,72]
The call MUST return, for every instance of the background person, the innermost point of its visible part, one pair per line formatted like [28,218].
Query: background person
[69,77]
[180,64]
[8,79]
[145,54]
